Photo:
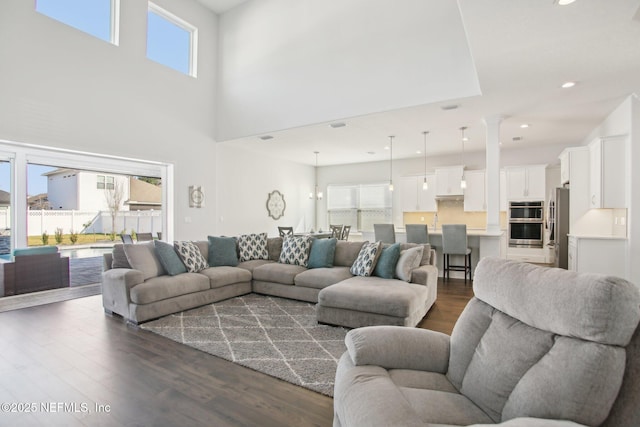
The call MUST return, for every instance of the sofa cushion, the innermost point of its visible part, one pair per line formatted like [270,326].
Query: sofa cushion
[163,287]
[277,273]
[252,264]
[320,278]
[386,265]
[389,297]
[322,253]
[295,250]
[119,258]
[191,256]
[367,258]
[426,252]
[169,258]
[346,253]
[274,247]
[142,256]
[203,245]
[36,250]
[253,246]
[226,275]
[409,259]
[222,251]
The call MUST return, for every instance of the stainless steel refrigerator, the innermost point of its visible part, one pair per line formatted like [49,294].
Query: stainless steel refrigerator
[559,215]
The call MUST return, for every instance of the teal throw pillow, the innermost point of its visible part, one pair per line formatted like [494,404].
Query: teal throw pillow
[169,258]
[322,252]
[386,265]
[222,251]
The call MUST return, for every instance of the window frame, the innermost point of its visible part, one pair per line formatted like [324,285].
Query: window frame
[191,29]
[114,22]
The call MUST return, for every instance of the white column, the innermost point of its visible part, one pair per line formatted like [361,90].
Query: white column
[493,172]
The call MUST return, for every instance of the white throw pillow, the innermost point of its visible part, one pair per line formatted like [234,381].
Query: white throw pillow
[409,259]
[295,250]
[366,260]
[253,246]
[191,256]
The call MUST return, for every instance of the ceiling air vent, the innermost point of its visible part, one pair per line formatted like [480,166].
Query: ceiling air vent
[449,107]
[266,137]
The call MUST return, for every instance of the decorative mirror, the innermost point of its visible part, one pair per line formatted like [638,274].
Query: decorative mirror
[276,204]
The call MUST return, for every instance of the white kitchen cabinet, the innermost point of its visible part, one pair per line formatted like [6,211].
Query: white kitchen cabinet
[414,198]
[574,162]
[565,167]
[503,191]
[595,254]
[607,173]
[448,181]
[475,193]
[526,182]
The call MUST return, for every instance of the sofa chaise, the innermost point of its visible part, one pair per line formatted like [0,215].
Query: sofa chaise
[535,347]
[148,291]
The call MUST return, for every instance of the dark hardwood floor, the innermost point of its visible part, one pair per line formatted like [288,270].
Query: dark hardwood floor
[71,365]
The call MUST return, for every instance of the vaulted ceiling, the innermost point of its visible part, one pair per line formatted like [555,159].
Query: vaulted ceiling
[523,52]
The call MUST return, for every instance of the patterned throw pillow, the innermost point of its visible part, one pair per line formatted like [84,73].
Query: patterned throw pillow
[295,250]
[191,256]
[253,246]
[366,261]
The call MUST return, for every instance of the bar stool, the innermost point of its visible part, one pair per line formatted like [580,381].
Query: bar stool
[384,233]
[417,233]
[454,242]
[285,231]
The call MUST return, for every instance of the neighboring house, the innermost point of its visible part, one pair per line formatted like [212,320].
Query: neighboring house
[39,201]
[144,196]
[5,199]
[73,189]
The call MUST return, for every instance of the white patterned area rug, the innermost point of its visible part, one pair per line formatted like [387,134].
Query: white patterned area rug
[276,336]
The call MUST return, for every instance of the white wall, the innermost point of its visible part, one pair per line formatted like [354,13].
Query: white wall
[63,88]
[287,63]
[244,181]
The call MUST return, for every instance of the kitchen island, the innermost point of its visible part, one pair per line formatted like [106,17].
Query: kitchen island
[483,243]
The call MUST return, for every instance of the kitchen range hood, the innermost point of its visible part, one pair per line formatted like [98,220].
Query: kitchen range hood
[453,197]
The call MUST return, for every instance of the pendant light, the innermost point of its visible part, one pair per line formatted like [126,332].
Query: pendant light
[317,194]
[463,182]
[425,185]
[391,162]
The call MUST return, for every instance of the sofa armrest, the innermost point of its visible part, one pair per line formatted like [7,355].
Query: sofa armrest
[397,347]
[426,275]
[116,288]
[532,422]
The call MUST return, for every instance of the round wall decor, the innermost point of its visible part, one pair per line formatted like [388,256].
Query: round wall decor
[276,204]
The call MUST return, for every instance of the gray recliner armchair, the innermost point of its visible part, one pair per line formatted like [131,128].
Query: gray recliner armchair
[536,346]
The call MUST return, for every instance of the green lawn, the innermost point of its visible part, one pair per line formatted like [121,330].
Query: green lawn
[82,239]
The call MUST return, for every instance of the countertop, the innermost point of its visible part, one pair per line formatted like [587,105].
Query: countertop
[593,236]
[480,232]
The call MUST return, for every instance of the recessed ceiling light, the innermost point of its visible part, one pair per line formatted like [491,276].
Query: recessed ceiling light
[337,125]
[418,152]
[386,147]
[567,85]
[565,2]
[266,137]
[449,107]
[524,125]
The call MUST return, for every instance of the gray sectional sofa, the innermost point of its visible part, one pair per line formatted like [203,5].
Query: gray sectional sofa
[139,295]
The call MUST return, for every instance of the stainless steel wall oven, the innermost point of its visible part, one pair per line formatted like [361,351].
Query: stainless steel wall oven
[526,224]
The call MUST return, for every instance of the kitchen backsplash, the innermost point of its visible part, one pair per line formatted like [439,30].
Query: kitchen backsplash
[452,212]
